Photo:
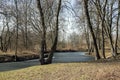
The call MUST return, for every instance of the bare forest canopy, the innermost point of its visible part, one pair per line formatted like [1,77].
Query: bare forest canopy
[47,25]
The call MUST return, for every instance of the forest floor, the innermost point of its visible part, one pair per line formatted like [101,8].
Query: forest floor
[99,70]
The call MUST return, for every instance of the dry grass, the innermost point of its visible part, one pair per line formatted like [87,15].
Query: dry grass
[107,53]
[9,52]
[68,71]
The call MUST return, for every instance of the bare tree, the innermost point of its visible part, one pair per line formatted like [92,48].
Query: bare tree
[91,28]
[17,26]
[117,27]
[43,36]
[53,48]
[42,61]
[106,15]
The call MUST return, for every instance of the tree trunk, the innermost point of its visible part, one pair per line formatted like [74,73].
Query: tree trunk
[26,28]
[16,43]
[91,28]
[117,29]
[110,30]
[42,51]
[53,49]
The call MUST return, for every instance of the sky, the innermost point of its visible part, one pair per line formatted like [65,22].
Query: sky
[70,17]
[73,2]
[70,22]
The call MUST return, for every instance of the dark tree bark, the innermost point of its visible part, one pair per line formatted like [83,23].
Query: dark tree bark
[91,28]
[16,43]
[101,14]
[117,29]
[26,28]
[103,27]
[42,51]
[43,36]
[54,46]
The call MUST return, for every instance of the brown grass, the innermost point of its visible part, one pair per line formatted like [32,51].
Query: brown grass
[68,71]
[9,52]
[107,53]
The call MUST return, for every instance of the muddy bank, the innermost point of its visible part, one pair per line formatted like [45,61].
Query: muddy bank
[11,58]
[27,56]
[69,51]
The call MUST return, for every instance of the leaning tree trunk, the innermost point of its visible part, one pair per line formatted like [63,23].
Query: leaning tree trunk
[91,28]
[42,51]
[53,48]
[101,14]
[117,29]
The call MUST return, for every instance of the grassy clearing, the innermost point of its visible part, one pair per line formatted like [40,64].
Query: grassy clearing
[66,71]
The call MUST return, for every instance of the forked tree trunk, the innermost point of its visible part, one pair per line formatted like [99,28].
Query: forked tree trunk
[26,28]
[43,37]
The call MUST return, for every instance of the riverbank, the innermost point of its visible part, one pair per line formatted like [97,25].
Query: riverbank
[61,57]
[67,71]
[23,56]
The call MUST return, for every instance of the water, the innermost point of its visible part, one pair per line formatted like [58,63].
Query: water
[71,57]
[58,58]
[18,65]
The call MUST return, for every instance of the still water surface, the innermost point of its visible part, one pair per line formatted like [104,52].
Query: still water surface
[61,57]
